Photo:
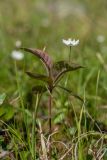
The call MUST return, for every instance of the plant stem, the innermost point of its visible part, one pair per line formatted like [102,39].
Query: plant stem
[50,125]
[69,54]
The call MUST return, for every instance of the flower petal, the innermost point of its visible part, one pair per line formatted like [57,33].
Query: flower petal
[17,55]
[70,42]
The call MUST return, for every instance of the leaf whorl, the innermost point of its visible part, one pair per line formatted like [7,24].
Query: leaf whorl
[61,67]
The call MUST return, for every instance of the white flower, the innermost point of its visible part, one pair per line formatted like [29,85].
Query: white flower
[18,43]
[70,42]
[100,38]
[17,55]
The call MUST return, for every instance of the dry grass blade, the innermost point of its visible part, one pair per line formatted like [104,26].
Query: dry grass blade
[51,136]
[4,154]
[43,145]
[7,155]
[100,158]
[62,143]
[69,150]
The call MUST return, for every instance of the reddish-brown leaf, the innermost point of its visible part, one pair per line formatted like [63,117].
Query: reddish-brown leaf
[41,77]
[42,55]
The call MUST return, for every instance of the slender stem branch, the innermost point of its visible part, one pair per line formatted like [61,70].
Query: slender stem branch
[50,104]
[50,125]
[70,54]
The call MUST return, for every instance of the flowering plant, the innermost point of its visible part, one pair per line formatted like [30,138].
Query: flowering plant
[54,73]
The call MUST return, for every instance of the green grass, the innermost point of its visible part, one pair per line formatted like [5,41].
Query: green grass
[78,130]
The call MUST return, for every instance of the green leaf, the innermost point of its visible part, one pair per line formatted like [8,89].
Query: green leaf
[72,130]
[39,77]
[41,55]
[6,112]
[24,154]
[2,98]
[70,92]
[39,89]
[59,118]
[61,67]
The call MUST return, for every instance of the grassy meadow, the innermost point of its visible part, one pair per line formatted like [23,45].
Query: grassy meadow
[78,128]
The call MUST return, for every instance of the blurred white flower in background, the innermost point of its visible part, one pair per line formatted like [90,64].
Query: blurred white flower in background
[17,55]
[18,43]
[100,38]
[70,42]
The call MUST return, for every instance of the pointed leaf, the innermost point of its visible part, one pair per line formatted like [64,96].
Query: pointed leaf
[39,77]
[42,55]
[6,112]
[2,98]
[39,89]
[73,94]
[61,67]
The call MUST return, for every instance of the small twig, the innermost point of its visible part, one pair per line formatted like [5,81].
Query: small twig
[66,153]
[51,136]
[102,155]
[60,143]
[75,151]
